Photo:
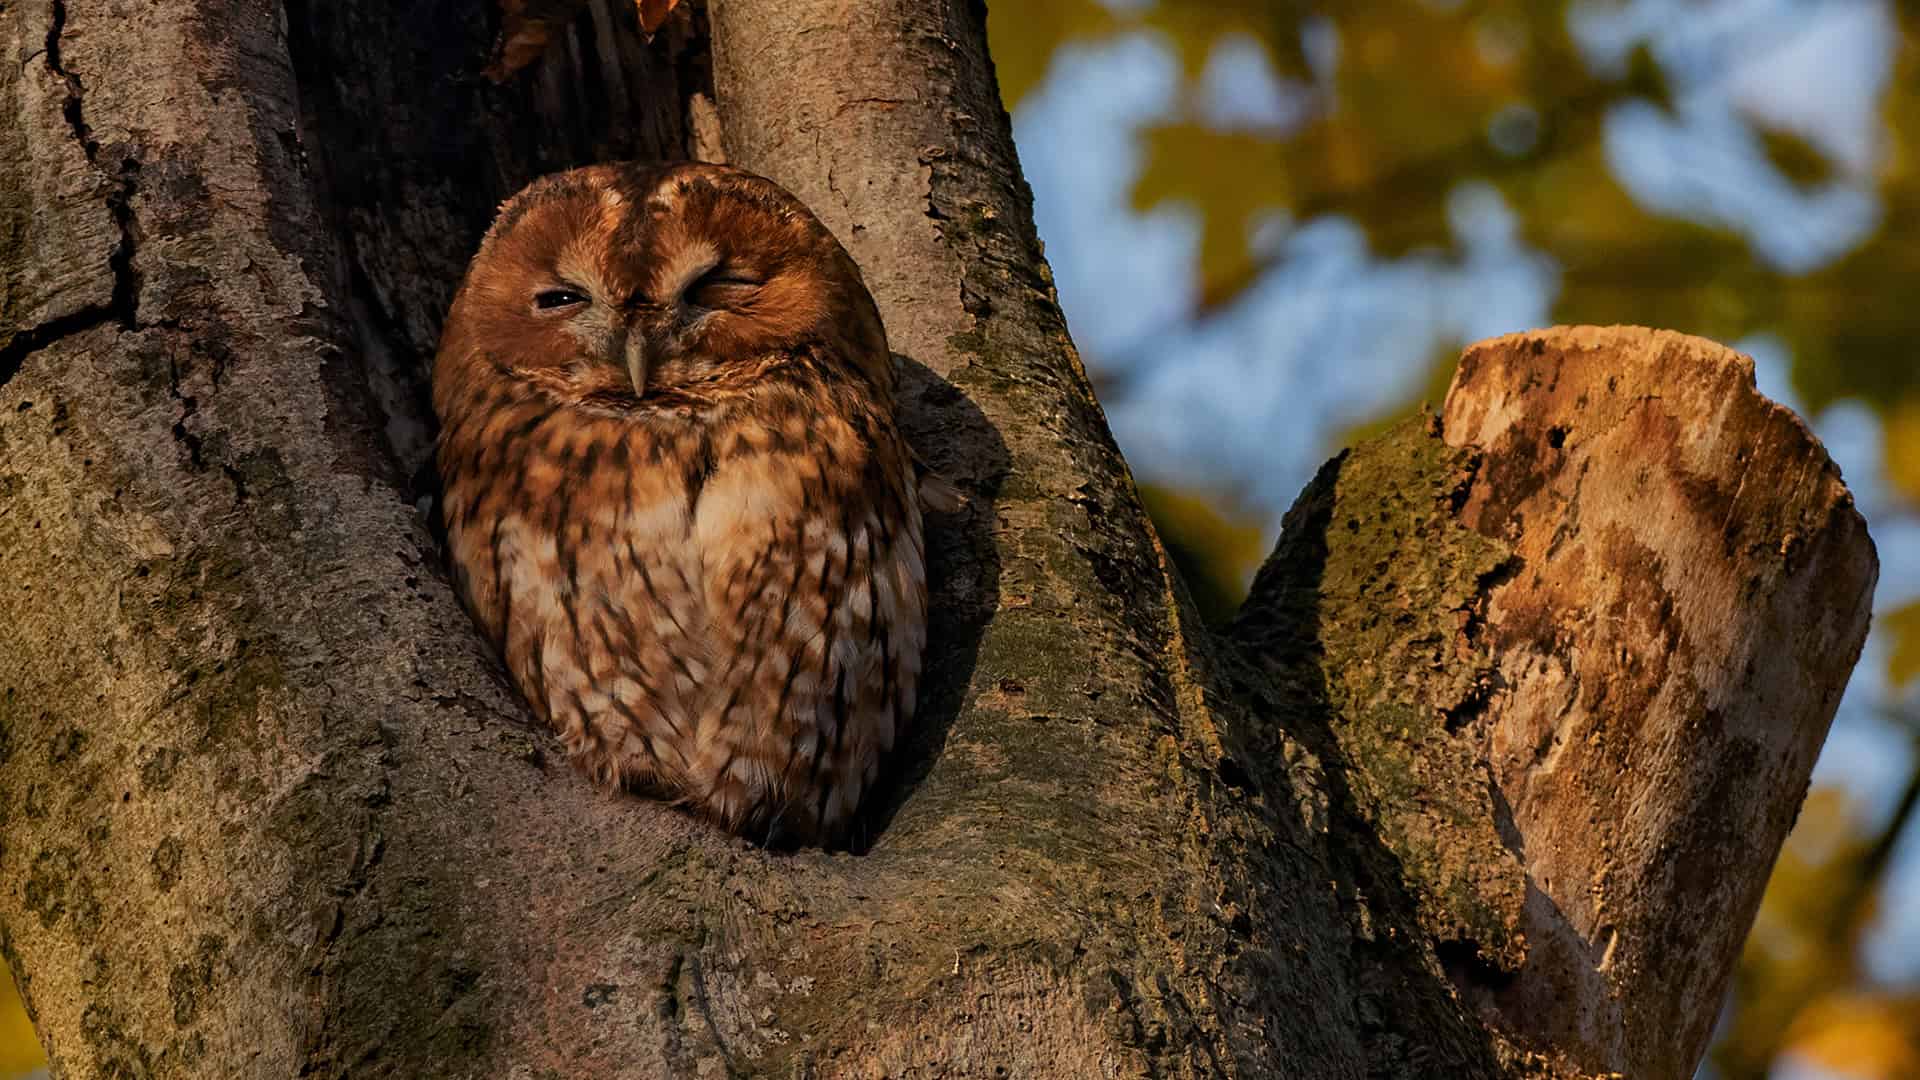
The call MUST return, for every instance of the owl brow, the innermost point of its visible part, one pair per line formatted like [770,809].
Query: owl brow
[683,267]
[559,186]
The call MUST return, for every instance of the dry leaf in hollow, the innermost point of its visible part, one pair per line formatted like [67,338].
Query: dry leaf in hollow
[519,46]
[526,28]
[653,14]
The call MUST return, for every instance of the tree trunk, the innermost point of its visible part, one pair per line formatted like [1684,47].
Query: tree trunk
[1484,781]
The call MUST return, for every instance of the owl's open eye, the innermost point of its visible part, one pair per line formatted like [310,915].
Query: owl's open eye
[557,301]
[723,287]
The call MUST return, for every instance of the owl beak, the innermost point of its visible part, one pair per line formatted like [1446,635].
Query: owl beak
[637,362]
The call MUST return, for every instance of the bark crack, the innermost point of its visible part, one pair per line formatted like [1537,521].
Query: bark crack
[126,285]
[703,1005]
[196,446]
[122,307]
[34,338]
[1473,616]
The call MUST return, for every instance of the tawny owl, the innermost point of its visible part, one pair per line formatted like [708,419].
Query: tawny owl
[675,494]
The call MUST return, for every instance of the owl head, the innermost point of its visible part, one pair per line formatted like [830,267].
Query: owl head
[627,286]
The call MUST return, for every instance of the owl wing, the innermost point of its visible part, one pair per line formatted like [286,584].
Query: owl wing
[816,600]
[570,541]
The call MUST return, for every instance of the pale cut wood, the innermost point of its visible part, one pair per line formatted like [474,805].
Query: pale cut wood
[1690,574]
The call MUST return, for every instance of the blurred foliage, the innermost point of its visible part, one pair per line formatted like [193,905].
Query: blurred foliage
[1800,988]
[1860,1036]
[1406,99]
[1391,106]
[1215,552]
[1425,95]
[1903,627]
[1440,368]
[1903,445]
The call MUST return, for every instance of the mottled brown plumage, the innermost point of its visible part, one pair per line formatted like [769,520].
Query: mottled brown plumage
[675,494]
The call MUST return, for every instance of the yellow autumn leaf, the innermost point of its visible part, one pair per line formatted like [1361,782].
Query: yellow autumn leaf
[1245,178]
[1865,1036]
[1903,447]
[1797,158]
[1026,37]
[523,37]
[1215,550]
[1193,29]
[1903,629]
[19,1049]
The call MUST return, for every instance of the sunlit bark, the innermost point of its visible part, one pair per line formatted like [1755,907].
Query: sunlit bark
[1484,781]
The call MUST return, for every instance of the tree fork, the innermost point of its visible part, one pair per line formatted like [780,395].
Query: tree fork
[266,809]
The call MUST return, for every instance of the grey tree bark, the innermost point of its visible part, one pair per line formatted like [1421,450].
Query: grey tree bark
[1485,780]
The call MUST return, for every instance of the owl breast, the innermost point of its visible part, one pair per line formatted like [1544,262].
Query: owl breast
[724,605]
